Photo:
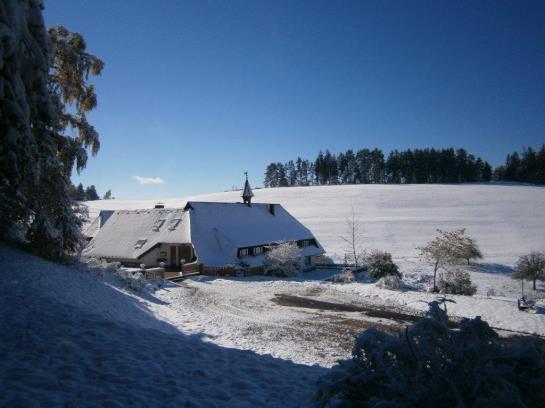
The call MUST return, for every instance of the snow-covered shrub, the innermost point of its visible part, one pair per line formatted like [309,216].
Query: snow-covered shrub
[491,292]
[380,264]
[429,364]
[283,259]
[347,276]
[456,282]
[135,281]
[392,282]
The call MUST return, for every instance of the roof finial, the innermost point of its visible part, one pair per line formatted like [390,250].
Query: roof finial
[247,192]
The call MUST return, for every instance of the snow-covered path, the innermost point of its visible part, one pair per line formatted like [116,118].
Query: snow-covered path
[106,349]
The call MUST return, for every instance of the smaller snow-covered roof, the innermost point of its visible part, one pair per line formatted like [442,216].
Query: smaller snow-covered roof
[130,234]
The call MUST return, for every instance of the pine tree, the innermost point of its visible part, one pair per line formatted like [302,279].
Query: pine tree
[80,196]
[291,173]
[486,172]
[91,193]
[39,102]
[108,195]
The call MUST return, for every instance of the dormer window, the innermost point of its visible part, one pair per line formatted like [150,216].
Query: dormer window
[158,224]
[174,223]
[140,243]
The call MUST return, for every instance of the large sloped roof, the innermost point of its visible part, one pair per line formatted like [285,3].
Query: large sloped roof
[218,229]
[130,234]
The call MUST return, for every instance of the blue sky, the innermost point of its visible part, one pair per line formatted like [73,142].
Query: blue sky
[196,93]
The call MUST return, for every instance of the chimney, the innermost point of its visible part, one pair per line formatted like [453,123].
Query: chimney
[271,208]
[159,205]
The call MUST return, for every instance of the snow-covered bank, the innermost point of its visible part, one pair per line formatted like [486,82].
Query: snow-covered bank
[72,338]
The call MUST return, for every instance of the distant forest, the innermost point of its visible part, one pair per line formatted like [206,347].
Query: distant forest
[405,167]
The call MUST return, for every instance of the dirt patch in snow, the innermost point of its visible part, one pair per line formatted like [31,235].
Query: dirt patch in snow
[398,316]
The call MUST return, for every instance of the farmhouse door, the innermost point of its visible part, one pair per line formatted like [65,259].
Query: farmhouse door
[173,257]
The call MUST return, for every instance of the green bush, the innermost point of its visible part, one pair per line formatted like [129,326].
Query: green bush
[380,264]
[456,282]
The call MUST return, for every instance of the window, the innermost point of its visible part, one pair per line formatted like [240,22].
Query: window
[140,243]
[306,243]
[158,224]
[258,250]
[242,252]
[308,261]
[174,223]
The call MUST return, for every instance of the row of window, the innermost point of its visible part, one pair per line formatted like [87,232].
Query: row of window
[173,223]
[258,250]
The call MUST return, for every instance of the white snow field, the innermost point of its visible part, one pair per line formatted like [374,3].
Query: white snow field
[77,337]
[506,220]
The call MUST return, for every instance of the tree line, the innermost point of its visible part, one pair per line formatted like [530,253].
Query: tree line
[88,193]
[526,167]
[367,166]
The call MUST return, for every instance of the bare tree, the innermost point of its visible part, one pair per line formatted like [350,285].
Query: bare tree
[354,251]
[531,266]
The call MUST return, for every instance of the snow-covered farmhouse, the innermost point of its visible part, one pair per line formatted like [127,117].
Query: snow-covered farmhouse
[203,235]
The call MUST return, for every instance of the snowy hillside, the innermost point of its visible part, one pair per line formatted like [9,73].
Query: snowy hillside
[72,337]
[506,220]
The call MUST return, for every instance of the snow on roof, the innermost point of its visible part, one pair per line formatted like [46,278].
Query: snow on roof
[129,234]
[95,225]
[218,229]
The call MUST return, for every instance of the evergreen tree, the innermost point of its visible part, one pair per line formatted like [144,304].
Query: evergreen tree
[282,178]
[80,195]
[39,101]
[271,176]
[91,194]
[291,173]
[364,165]
[512,167]
[377,166]
[319,169]
[72,192]
[486,172]
[108,195]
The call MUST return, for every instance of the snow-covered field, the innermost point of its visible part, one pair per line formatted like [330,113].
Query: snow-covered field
[506,220]
[80,337]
